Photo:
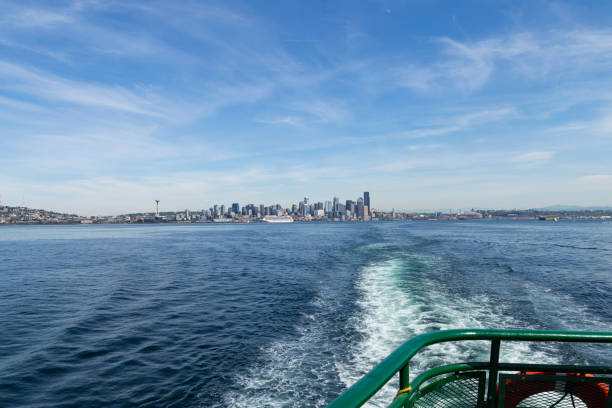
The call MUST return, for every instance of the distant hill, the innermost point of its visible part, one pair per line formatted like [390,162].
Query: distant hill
[574,208]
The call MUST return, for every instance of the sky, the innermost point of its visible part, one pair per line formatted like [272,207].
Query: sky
[107,106]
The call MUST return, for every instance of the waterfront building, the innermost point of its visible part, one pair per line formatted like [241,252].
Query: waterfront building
[366,200]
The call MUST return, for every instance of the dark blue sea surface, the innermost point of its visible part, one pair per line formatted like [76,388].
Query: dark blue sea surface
[263,315]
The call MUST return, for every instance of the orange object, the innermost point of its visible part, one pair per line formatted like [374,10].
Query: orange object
[594,395]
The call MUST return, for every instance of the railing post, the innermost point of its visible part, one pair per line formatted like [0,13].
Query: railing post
[493,368]
[404,379]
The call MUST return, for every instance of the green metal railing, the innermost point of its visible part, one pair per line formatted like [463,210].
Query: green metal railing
[398,362]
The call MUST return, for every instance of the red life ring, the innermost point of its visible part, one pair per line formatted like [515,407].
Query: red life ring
[594,395]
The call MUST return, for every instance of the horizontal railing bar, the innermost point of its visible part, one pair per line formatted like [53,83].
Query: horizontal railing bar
[366,387]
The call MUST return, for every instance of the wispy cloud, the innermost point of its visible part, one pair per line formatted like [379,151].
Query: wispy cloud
[469,65]
[287,120]
[597,178]
[532,159]
[461,122]
[424,147]
[37,84]
[37,17]
[18,104]
[322,111]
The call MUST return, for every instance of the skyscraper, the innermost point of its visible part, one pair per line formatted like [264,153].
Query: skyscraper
[366,201]
[236,208]
[360,208]
[352,207]
[328,207]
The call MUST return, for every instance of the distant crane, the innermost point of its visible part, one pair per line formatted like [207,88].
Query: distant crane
[157,208]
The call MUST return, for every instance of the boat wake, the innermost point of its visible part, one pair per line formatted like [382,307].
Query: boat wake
[401,297]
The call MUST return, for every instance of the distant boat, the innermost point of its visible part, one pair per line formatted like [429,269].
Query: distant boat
[277,218]
[544,218]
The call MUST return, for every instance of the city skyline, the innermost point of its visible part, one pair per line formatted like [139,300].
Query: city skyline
[328,209]
[108,106]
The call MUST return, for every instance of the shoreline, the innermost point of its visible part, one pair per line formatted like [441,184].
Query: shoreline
[572,219]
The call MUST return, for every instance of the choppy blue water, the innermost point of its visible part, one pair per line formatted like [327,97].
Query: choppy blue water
[277,315]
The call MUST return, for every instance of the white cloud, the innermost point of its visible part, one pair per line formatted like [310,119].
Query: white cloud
[427,132]
[532,158]
[17,104]
[424,147]
[469,65]
[287,120]
[461,122]
[41,18]
[324,111]
[597,178]
[419,79]
[38,84]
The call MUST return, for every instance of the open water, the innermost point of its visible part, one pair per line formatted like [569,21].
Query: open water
[285,315]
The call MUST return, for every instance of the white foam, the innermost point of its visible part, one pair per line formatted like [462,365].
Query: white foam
[293,372]
[399,300]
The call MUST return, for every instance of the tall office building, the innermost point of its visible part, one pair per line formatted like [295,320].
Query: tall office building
[328,207]
[360,208]
[366,201]
[236,208]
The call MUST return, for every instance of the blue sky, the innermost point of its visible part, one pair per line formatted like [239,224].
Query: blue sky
[106,106]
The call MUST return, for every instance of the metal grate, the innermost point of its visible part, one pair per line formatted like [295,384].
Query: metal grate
[456,391]
[552,398]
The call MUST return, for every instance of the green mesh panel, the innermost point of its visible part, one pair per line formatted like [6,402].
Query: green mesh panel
[457,391]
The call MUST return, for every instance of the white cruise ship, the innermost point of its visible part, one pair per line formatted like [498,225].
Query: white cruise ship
[277,218]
